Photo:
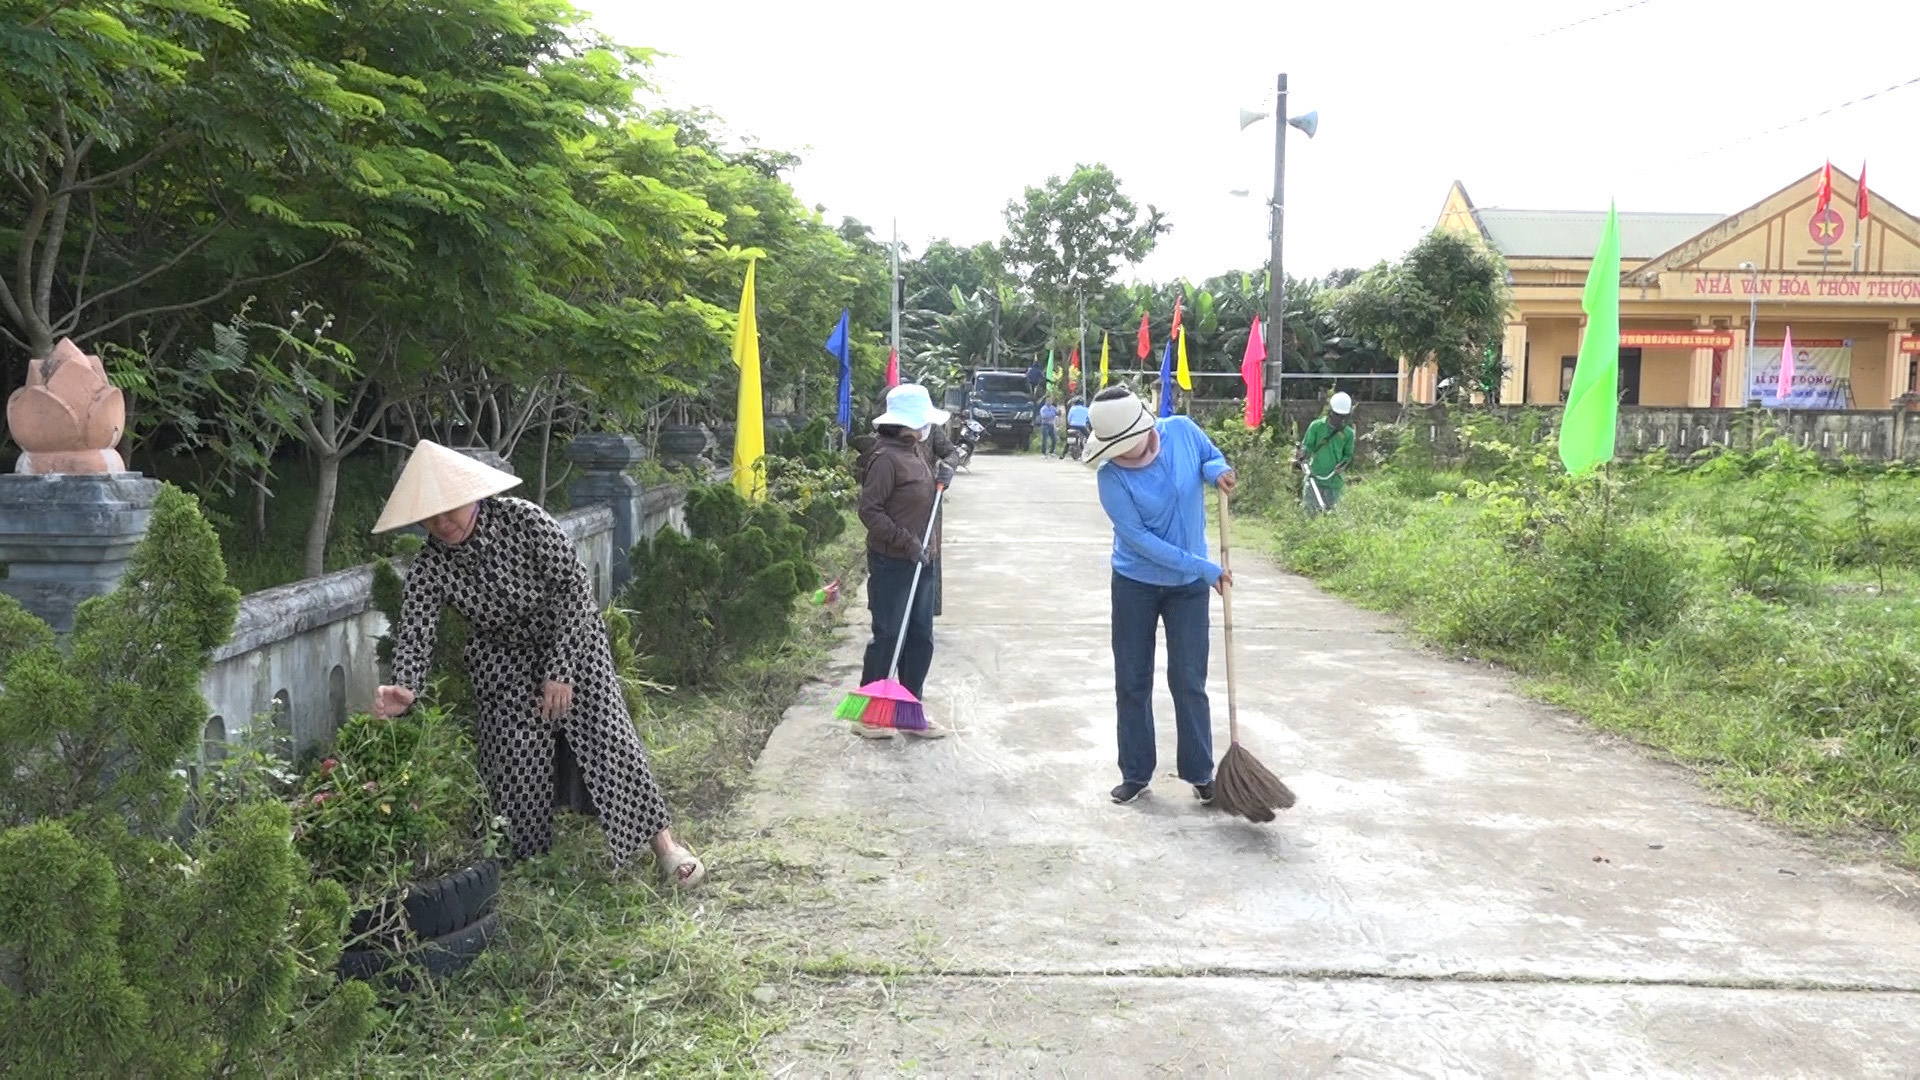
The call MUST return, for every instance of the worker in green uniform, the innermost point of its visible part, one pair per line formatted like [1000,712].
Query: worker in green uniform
[1325,454]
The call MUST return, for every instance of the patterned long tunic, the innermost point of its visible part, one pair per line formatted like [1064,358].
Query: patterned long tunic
[529,603]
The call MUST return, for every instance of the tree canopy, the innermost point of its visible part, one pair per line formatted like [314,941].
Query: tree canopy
[1445,301]
[1071,237]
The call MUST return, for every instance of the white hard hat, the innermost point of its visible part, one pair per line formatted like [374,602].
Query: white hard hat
[1341,404]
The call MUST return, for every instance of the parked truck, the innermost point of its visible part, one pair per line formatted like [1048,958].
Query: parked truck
[1002,401]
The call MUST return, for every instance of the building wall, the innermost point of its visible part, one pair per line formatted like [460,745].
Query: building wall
[1548,341]
[1664,374]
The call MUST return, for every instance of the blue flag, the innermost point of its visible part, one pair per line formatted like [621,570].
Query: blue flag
[838,346]
[1166,380]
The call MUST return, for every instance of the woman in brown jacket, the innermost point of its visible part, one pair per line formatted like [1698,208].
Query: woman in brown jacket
[896,505]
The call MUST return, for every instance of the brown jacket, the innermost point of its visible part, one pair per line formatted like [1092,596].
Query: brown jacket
[896,499]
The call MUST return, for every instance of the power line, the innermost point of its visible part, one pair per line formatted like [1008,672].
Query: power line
[1589,19]
[1810,117]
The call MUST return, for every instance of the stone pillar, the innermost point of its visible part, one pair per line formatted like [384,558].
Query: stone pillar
[66,539]
[1513,386]
[603,459]
[1897,365]
[70,515]
[1700,379]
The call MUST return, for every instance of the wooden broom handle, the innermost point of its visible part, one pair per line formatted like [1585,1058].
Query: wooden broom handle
[1226,608]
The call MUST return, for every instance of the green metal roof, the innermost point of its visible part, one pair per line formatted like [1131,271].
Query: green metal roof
[1573,234]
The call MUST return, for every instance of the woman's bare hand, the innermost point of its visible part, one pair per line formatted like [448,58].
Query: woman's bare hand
[391,701]
[556,698]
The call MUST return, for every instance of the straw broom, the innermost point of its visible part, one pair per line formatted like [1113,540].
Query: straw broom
[1241,785]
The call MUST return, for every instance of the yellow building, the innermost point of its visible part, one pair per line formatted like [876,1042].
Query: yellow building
[1846,289]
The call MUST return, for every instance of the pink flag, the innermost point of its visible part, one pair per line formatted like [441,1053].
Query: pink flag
[893,368]
[1785,389]
[1253,372]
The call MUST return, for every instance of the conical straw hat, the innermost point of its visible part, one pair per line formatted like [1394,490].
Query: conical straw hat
[436,480]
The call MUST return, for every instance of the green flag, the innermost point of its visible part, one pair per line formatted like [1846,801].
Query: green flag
[1049,366]
[1593,403]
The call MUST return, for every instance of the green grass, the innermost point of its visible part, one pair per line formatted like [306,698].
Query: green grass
[603,971]
[1735,616]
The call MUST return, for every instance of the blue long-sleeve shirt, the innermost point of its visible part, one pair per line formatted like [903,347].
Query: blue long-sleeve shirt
[1159,511]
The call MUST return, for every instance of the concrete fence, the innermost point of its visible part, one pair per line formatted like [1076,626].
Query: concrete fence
[1870,435]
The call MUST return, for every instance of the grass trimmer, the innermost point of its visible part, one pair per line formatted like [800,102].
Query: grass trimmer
[1241,785]
[1313,485]
[884,703]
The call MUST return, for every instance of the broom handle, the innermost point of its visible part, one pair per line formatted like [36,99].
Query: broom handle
[1226,608]
[899,643]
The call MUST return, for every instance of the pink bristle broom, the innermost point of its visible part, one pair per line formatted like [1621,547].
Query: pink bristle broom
[884,703]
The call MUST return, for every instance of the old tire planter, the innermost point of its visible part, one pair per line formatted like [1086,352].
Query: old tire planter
[449,921]
[440,956]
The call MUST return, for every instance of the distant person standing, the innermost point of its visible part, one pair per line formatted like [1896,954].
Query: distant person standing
[1049,416]
[1078,423]
[1036,379]
[1325,453]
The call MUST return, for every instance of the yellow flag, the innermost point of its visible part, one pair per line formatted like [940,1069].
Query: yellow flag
[749,438]
[1103,361]
[1180,373]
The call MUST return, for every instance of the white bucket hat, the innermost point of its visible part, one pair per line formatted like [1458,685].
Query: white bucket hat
[437,480]
[1341,404]
[1119,425]
[909,406]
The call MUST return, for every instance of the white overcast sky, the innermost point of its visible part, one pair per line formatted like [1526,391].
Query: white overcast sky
[937,114]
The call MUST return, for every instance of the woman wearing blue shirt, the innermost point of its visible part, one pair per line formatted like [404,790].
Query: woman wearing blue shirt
[1152,477]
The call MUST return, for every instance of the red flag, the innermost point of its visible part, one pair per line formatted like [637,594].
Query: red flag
[1253,370]
[1175,332]
[893,368]
[1073,362]
[1860,211]
[1146,341]
[1824,193]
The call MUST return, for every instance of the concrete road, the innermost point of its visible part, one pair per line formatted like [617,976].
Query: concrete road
[1472,884]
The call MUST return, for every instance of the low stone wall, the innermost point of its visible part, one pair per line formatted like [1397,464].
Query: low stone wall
[1871,435]
[302,655]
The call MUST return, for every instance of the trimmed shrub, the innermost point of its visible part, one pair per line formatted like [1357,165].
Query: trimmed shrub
[127,949]
[697,602]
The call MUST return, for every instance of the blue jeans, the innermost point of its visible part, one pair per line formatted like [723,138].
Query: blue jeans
[1138,608]
[1048,437]
[888,580]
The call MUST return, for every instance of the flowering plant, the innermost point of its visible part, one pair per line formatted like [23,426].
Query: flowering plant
[394,800]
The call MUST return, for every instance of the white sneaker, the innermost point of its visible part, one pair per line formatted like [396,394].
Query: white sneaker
[932,731]
[868,731]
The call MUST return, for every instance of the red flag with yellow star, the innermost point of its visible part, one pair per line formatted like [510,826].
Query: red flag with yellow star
[1860,208]
[1823,195]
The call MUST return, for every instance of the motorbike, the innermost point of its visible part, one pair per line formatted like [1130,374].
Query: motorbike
[1076,443]
[970,433]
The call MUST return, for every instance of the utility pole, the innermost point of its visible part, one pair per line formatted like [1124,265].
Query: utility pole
[1753,316]
[1277,286]
[894,299]
[1083,345]
[993,347]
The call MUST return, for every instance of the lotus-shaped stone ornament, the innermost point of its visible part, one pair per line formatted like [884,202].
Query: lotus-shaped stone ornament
[68,418]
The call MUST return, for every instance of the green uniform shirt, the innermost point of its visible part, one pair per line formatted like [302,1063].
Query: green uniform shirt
[1326,450]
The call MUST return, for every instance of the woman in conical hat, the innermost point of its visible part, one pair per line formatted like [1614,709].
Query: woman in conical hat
[538,656]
